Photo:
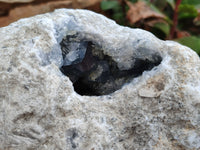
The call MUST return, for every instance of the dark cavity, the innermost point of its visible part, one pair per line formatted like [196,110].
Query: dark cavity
[93,73]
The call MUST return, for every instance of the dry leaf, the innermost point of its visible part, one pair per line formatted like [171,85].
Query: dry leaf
[140,11]
[85,3]
[16,1]
[12,12]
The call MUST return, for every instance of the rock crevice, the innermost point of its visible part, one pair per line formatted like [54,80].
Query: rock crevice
[95,73]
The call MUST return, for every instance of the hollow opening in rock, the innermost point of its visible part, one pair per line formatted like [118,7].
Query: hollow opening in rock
[94,73]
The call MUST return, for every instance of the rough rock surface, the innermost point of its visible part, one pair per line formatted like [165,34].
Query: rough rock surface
[155,105]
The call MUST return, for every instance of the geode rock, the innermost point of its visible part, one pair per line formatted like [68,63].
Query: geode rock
[73,79]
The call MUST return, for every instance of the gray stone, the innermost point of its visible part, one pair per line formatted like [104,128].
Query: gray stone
[73,79]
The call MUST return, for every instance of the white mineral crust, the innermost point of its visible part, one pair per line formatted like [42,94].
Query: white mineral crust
[39,109]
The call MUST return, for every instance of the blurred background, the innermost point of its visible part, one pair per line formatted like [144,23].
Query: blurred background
[177,20]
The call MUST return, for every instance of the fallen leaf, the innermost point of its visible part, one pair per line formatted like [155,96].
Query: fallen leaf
[84,3]
[10,12]
[4,7]
[16,1]
[140,11]
[31,10]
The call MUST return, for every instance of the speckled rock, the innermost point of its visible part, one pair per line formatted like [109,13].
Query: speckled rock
[155,105]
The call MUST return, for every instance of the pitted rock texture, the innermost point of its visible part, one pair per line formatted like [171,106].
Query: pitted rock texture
[155,106]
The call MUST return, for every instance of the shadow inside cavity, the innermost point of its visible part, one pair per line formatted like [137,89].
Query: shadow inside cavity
[94,73]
